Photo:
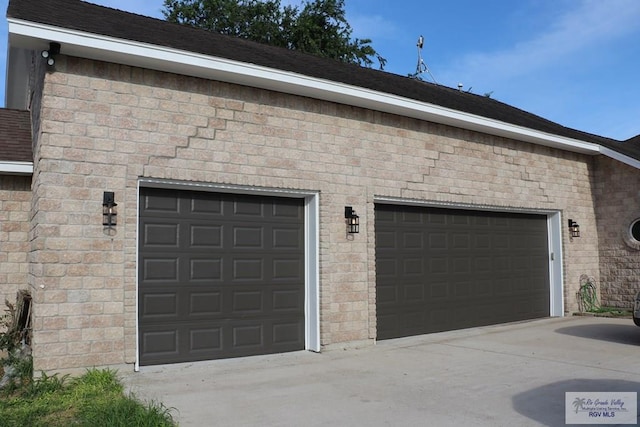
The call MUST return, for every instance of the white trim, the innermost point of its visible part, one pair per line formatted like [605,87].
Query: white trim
[312,245]
[556,273]
[554,238]
[31,35]
[312,272]
[620,157]
[16,168]
[136,365]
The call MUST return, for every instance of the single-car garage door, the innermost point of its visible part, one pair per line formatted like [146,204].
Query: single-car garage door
[442,269]
[220,275]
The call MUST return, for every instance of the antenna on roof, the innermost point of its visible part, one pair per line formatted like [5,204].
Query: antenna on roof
[421,67]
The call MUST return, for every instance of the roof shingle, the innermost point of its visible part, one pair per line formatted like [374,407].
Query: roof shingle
[15,136]
[86,17]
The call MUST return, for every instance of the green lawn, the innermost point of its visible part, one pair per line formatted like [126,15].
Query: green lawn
[95,399]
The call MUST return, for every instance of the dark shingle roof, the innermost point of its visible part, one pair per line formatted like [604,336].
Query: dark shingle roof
[90,18]
[15,136]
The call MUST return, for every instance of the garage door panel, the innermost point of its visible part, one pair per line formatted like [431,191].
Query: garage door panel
[287,301]
[412,267]
[286,238]
[246,302]
[227,281]
[205,270]
[287,211]
[160,304]
[478,268]
[164,236]
[438,241]
[205,236]
[413,240]
[386,294]
[252,208]
[245,269]
[248,237]
[205,206]
[159,203]
[160,269]
[286,334]
[205,304]
[248,336]
[386,240]
[160,342]
[287,269]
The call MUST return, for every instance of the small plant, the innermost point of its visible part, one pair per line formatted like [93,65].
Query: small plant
[15,340]
[587,294]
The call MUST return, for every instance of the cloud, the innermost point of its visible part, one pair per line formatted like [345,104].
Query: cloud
[591,22]
[373,27]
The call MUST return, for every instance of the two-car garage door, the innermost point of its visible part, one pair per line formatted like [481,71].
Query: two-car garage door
[220,275]
[442,269]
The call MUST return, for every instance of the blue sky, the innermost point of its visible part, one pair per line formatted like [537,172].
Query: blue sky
[571,61]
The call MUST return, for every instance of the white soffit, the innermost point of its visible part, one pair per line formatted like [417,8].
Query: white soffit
[29,35]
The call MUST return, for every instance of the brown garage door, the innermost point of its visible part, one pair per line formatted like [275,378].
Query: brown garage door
[220,275]
[443,269]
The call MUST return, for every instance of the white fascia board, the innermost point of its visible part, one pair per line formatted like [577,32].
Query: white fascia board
[16,168]
[92,46]
[620,157]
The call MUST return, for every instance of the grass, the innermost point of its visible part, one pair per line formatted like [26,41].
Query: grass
[613,311]
[94,399]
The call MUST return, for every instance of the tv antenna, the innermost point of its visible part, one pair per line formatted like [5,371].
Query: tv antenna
[422,67]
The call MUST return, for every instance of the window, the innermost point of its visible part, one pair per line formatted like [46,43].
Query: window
[634,230]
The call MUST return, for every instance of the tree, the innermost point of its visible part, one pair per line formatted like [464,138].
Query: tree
[319,28]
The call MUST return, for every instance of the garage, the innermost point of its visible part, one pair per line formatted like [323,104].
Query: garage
[440,269]
[219,275]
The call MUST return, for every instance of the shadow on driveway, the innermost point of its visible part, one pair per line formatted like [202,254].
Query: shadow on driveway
[546,404]
[620,334]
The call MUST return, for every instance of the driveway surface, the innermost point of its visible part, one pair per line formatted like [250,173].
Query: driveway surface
[506,375]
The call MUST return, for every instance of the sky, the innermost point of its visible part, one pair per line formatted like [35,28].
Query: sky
[574,62]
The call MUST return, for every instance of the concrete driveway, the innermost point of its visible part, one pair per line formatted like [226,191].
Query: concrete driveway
[507,375]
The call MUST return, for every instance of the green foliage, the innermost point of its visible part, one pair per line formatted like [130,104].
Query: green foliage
[587,294]
[16,364]
[10,335]
[319,28]
[95,399]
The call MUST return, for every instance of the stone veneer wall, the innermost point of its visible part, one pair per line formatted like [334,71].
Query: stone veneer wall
[617,195]
[104,126]
[15,212]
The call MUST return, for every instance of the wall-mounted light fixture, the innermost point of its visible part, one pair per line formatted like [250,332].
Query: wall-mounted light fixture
[49,55]
[109,213]
[574,229]
[353,220]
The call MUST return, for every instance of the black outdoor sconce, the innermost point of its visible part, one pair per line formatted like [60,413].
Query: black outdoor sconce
[109,213]
[49,55]
[574,229]
[353,220]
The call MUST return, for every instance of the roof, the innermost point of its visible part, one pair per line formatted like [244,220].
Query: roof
[88,18]
[15,136]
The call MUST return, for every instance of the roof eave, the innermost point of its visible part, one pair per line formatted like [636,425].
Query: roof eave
[16,168]
[620,157]
[35,36]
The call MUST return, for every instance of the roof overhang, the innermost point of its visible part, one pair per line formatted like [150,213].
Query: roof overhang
[16,168]
[34,36]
